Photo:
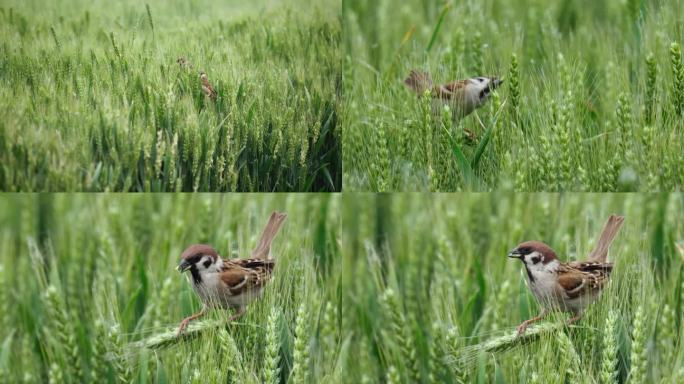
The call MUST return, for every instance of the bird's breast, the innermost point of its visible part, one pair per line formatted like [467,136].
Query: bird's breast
[544,287]
[208,287]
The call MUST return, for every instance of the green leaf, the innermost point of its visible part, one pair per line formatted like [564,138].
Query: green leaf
[438,27]
[486,138]
[463,164]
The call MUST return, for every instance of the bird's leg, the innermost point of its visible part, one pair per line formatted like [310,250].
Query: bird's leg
[574,319]
[240,312]
[469,135]
[522,327]
[465,133]
[188,319]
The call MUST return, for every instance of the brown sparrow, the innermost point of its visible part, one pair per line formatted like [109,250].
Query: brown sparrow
[230,283]
[206,87]
[569,287]
[462,97]
[184,63]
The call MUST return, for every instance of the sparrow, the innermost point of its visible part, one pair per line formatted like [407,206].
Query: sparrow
[206,87]
[462,96]
[184,63]
[229,283]
[571,286]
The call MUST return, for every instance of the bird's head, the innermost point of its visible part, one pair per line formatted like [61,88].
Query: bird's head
[534,254]
[484,86]
[199,258]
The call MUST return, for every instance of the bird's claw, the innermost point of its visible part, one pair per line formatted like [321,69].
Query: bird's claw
[469,135]
[182,326]
[522,328]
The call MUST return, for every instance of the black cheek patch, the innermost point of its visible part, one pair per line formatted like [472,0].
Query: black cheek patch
[529,274]
[484,93]
[207,263]
[196,277]
[536,259]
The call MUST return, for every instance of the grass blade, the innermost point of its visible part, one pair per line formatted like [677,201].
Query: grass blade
[485,139]
[463,165]
[438,27]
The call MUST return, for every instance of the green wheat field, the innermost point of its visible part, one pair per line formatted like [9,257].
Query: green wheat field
[90,293]
[92,97]
[432,297]
[309,96]
[592,100]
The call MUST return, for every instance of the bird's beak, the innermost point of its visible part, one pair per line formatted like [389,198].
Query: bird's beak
[496,82]
[183,266]
[514,254]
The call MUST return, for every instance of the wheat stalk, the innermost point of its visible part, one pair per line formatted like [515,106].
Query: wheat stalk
[170,337]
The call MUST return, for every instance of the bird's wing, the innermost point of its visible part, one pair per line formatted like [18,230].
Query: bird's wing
[418,81]
[591,266]
[208,90]
[240,275]
[450,90]
[576,282]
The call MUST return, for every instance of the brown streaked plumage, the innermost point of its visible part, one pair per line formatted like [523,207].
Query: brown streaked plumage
[462,97]
[568,286]
[184,63]
[243,275]
[230,283]
[451,90]
[577,279]
[206,87]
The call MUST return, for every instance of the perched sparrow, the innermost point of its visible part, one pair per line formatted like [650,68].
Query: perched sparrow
[206,87]
[569,287]
[462,96]
[230,283]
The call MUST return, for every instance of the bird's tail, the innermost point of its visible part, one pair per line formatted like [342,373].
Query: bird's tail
[419,82]
[263,249]
[610,230]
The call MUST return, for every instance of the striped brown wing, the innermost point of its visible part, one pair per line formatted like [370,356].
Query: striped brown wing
[579,278]
[451,90]
[208,89]
[241,275]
